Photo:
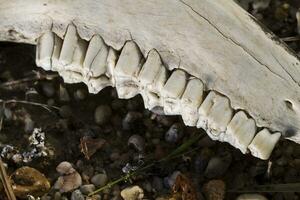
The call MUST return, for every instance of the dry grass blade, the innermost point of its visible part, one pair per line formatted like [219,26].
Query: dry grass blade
[6,183]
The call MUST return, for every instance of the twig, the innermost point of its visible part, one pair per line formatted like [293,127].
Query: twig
[37,76]
[6,183]
[46,107]
[291,39]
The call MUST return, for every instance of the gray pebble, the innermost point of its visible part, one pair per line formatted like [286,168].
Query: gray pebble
[57,196]
[80,94]
[48,89]
[174,133]
[102,114]
[218,165]
[63,94]
[137,141]
[86,189]
[99,180]
[77,195]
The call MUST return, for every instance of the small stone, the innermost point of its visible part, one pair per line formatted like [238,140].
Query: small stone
[65,168]
[137,141]
[218,165]
[214,190]
[63,94]
[251,197]
[77,195]
[132,193]
[86,189]
[102,114]
[99,180]
[57,196]
[80,94]
[174,133]
[48,89]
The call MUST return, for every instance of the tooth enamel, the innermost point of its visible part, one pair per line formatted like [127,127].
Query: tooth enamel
[56,52]
[240,131]
[96,58]
[111,64]
[172,92]
[263,144]
[95,85]
[127,69]
[78,57]
[190,101]
[69,46]
[215,114]
[148,76]
[71,76]
[44,50]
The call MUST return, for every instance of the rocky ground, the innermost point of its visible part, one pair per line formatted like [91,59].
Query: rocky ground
[59,142]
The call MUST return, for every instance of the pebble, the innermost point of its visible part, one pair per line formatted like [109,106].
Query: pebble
[63,94]
[99,180]
[251,197]
[77,195]
[174,133]
[28,124]
[80,94]
[132,193]
[130,118]
[102,114]
[218,165]
[170,180]
[86,189]
[48,89]
[65,168]
[137,142]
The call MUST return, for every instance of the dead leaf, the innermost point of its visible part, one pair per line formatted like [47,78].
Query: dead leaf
[89,146]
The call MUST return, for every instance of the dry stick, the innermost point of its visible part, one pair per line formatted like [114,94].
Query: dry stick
[6,183]
[291,39]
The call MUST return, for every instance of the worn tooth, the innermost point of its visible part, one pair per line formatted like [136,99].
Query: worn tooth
[215,114]
[71,76]
[172,91]
[56,53]
[148,76]
[69,45]
[240,131]
[263,144]
[78,57]
[111,64]
[95,85]
[190,101]
[44,50]
[96,58]
[127,69]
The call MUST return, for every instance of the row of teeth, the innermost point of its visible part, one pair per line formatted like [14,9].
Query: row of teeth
[98,66]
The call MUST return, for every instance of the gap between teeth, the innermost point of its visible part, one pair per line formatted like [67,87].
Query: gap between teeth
[99,66]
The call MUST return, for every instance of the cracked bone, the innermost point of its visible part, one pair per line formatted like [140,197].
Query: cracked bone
[190,101]
[240,131]
[214,115]
[263,144]
[127,69]
[44,49]
[148,76]
[96,58]
[69,46]
[172,91]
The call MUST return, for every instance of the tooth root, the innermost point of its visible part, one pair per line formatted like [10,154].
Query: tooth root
[263,144]
[240,131]
[127,69]
[99,65]
[191,100]
[78,57]
[95,85]
[172,92]
[148,76]
[69,46]
[215,114]
[44,50]
[56,52]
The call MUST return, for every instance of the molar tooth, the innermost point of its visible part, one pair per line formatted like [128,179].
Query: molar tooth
[190,101]
[95,85]
[263,144]
[96,58]
[111,64]
[44,50]
[148,76]
[69,46]
[71,76]
[172,92]
[78,57]
[240,131]
[56,52]
[215,114]
[127,69]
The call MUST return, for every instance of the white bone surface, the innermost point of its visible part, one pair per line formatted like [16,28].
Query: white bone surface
[95,85]
[172,91]
[127,69]
[190,101]
[231,55]
[111,64]
[71,76]
[78,57]
[215,114]
[240,131]
[263,144]
[44,50]
[56,53]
